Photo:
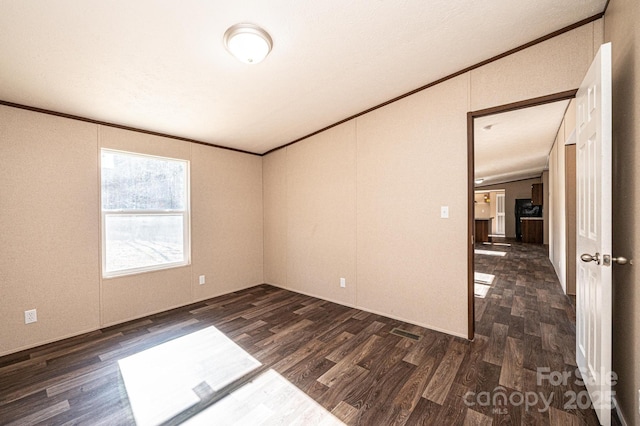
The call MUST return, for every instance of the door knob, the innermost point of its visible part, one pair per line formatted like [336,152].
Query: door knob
[588,258]
[619,260]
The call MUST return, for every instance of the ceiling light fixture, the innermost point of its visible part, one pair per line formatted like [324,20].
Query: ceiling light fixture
[247,42]
[479,181]
[488,127]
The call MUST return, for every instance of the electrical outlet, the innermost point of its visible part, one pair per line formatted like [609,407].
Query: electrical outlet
[343,282]
[202,279]
[30,316]
[444,212]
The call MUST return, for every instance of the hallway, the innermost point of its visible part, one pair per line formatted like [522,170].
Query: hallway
[529,326]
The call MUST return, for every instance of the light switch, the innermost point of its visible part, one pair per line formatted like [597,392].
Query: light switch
[444,212]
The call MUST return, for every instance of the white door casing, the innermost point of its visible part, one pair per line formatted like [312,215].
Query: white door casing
[593,174]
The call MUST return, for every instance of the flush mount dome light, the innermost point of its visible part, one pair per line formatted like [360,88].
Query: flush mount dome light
[247,42]
[479,181]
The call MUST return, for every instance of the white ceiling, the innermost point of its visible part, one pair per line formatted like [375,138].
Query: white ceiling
[515,145]
[160,65]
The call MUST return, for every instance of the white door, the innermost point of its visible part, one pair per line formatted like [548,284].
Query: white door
[593,173]
[500,213]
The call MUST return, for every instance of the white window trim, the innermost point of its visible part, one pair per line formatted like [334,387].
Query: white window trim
[186,222]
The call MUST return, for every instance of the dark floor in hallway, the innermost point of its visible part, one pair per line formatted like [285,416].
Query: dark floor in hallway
[345,359]
[529,326]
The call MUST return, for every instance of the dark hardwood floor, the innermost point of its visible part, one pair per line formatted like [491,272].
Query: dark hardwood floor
[347,360]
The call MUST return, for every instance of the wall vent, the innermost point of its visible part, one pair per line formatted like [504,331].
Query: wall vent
[404,333]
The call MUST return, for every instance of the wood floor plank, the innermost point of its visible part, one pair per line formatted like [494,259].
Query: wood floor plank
[532,322]
[350,359]
[473,418]
[442,379]
[359,396]
[425,413]
[310,307]
[409,395]
[346,350]
[285,335]
[309,369]
[561,418]
[374,408]
[80,380]
[420,351]
[497,341]
[302,353]
[511,374]
[341,384]
[454,410]
[41,415]
[345,412]
[549,337]
[468,374]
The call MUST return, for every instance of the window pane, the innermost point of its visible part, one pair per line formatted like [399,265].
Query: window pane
[132,182]
[139,241]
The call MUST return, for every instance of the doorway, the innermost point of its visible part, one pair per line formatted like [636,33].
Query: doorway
[498,176]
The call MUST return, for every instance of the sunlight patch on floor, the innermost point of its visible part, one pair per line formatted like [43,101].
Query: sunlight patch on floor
[165,381]
[480,290]
[160,381]
[490,252]
[482,278]
[269,399]
[496,244]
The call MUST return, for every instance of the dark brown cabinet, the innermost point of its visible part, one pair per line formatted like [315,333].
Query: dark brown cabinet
[532,230]
[482,230]
[536,194]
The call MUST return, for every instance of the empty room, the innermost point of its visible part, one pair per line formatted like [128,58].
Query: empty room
[372,213]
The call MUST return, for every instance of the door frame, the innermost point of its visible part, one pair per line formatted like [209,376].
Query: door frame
[471,115]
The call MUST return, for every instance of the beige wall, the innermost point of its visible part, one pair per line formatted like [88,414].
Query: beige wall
[557,209]
[274,195]
[482,209]
[410,159]
[561,186]
[348,200]
[552,66]
[226,221]
[621,28]
[407,263]
[321,211]
[50,227]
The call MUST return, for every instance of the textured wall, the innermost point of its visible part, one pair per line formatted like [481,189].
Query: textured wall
[410,159]
[50,228]
[321,209]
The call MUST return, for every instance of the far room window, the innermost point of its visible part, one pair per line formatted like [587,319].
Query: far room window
[145,213]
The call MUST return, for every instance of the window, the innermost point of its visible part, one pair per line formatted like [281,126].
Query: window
[145,213]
